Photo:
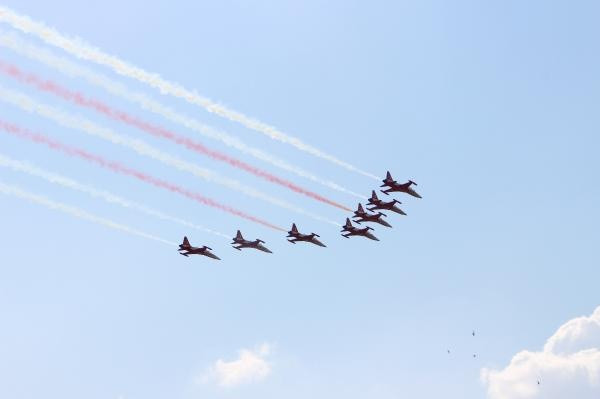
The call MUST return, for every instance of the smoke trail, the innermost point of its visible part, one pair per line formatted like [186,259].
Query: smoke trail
[81,100]
[78,213]
[119,168]
[13,42]
[82,50]
[55,178]
[74,122]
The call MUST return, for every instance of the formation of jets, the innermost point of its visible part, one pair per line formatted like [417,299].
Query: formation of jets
[348,230]
[362,216]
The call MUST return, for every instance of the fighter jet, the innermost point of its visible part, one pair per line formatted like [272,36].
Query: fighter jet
[388,206]
[393,186]
[186,249]
[241,243]
[369,217]
[350,230]
[296,236]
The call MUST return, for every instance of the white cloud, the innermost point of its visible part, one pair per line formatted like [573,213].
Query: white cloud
[567,367]
[250,366]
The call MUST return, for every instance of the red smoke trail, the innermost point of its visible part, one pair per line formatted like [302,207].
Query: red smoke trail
[79,99]
[119,168]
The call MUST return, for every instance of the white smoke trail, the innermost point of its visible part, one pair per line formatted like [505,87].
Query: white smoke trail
[22,47]
[26,103]
[85,51]
[63,181]
[78,213]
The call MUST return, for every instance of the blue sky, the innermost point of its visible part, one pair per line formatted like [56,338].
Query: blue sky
[490,106]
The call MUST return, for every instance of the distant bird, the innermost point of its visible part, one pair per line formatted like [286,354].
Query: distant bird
[538,382]
[448,351]
[473,333]
[474,355]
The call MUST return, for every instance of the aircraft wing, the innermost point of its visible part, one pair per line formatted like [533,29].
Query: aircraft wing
[210,255]
[317,242]
[261,247]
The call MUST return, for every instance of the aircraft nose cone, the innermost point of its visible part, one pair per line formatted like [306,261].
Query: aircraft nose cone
[386,224]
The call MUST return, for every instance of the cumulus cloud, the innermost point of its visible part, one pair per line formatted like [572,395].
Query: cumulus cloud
[567,367]
[250,366]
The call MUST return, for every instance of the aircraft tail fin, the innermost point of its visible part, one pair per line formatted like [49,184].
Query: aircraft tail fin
[389,176]
[294,228]
[348,223]
[360,208]
[186,242]
[374,196]
[239,235]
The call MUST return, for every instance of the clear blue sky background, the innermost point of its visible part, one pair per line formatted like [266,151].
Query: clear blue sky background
[492,107]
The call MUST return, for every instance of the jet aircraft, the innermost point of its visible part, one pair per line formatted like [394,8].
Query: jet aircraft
[186,249]
[296,236]
[394,186]
[369,217]
[242,243]
[388,206]
[351,230]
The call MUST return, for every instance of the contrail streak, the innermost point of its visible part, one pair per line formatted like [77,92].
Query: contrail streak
[78,213]
[83,50]
[65,66]
[141,147]
[157,131]
[122,169]
[63,181]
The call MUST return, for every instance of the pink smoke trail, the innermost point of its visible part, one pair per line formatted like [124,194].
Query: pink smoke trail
[157,131]
[122,169]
